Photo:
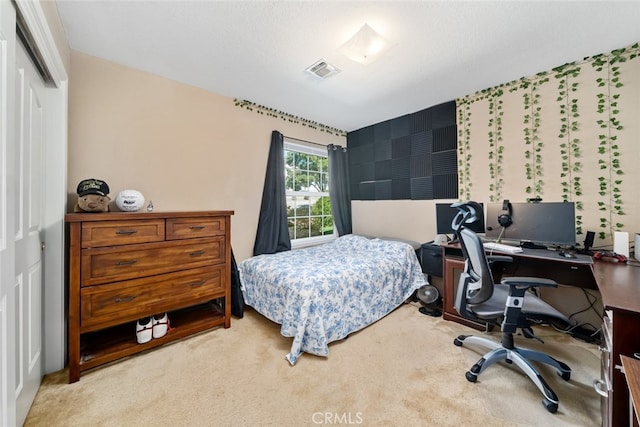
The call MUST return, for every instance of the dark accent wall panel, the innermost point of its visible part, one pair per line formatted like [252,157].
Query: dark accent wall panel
[382,170]
[401,147]
[444,163]
[443,115]
[421,121]
[382,150]
[383,190]
[445,185]
[401,126]
[401,189]
[421,165]
[367,190]
[421,143]
[382,131]
[366,136]
[367,172]
[422,188]
[400,168]
[409,157]
[445,138]
[361,154]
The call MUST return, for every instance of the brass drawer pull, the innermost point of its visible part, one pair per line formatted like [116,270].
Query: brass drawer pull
[197,253]
[197,227]
[126,232]
[126,299]
[198,283]
[130,262]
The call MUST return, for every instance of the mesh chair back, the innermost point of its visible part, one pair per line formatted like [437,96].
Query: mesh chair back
[476,281]
[480,286]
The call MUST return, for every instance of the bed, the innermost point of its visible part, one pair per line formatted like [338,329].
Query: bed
[324,293]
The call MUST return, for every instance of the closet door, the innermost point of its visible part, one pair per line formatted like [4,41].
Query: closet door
[29,239]
[26,178]
[7,215]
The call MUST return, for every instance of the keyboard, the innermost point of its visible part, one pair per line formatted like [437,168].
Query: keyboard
[502,247]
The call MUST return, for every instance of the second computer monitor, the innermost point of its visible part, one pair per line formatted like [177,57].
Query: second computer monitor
[546,223]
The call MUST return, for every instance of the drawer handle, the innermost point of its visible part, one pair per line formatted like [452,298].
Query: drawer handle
[198,283]
[126,232]
[197,227]
[197,253]
[125,299]
[130,262]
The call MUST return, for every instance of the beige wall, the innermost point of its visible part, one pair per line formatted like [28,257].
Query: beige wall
[406,219]
[182,147]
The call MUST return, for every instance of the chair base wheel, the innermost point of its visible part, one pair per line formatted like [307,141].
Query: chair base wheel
[458,340]
[565,375]
[471,377]
[550,406]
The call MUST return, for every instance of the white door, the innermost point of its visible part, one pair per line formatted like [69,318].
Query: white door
[23,181]
[29,241]
[7,263]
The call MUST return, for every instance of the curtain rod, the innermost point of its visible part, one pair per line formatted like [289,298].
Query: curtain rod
[307,142]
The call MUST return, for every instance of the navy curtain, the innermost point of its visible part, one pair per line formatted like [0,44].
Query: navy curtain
[273,232]
[339,188]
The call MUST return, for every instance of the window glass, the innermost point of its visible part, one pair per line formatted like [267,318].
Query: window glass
[307,189]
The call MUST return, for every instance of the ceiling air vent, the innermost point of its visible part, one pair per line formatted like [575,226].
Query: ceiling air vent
[322,69]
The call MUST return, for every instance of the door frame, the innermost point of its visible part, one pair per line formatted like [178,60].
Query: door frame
[55,188]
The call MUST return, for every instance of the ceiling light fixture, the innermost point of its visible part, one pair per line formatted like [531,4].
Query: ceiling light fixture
[366,45]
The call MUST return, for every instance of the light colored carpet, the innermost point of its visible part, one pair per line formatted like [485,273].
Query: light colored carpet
[402,370]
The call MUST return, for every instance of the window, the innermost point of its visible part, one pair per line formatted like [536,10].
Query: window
[307,190]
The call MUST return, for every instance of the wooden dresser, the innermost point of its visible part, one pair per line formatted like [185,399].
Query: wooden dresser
[124,266]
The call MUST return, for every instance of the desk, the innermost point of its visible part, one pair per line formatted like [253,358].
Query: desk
[530,262]
[632,372]
[619,286]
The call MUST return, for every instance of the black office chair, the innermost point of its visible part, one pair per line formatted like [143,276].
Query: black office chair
[508,304]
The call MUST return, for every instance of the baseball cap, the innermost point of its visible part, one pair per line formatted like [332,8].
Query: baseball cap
[92,186]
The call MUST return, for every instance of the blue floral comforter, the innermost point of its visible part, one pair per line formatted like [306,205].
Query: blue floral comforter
[324,293]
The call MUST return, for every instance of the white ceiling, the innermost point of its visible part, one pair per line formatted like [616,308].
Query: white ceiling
[258,50]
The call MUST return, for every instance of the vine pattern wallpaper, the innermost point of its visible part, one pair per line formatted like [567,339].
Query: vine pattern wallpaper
[568,134]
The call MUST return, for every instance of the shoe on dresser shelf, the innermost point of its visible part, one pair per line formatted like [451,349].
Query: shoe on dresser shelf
[160,325]
[144,329]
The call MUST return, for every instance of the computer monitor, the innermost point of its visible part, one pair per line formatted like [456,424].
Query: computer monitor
[541,223]
[445,215]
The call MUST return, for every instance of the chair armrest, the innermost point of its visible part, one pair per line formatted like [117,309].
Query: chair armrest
[499,258]
[529,282]
[518,287]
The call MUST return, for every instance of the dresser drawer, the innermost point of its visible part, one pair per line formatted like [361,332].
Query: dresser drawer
[188,228]
[107,305]
[112,264]
[111,233]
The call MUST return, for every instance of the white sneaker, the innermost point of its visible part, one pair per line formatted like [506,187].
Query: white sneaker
[144,330]
[160,325]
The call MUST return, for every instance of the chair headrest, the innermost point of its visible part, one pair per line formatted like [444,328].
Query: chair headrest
[468,212]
